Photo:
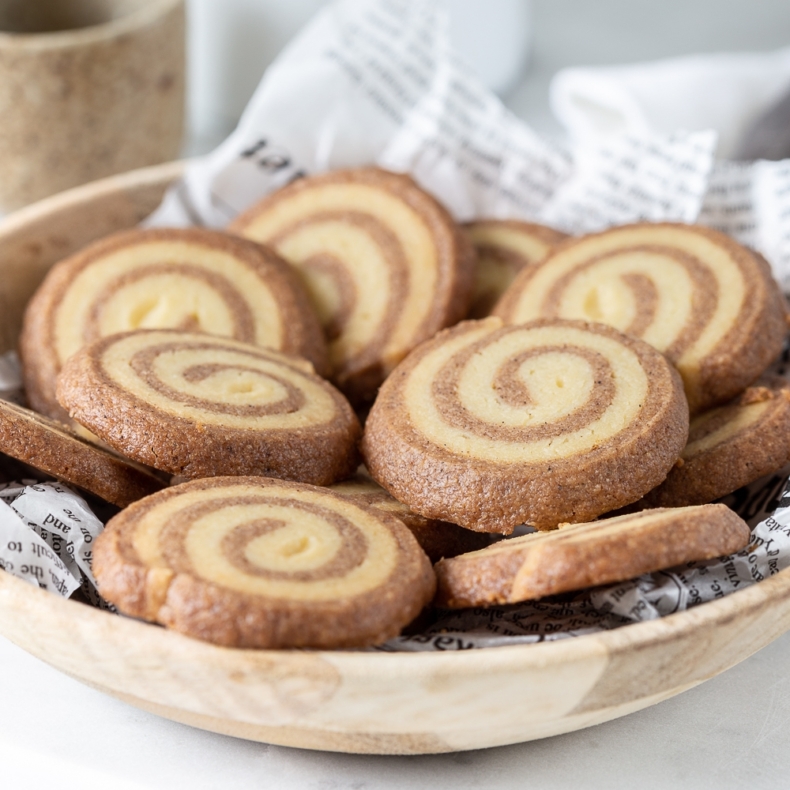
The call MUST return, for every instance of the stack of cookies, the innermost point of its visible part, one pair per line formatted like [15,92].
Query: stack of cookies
[215,386]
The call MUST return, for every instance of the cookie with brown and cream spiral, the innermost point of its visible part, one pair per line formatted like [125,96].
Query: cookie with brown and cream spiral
[729,447]
[196,405]
[586,555]
[385,264]
[490,426]
[504,247]
[254,562]
[437,538]
[52,448]
[170,278]
[708,303]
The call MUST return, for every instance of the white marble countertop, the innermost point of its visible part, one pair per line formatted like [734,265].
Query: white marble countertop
[731,732]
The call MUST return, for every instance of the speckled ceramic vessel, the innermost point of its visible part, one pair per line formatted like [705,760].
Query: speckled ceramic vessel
[88,88]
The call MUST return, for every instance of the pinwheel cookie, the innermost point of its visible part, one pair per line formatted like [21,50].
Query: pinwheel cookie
[708,303]
[51,447]
[385,264]
[554,421]
[191,279]
[196,405]
[437,538]
[504,247]
[253,562]
[730,447]
[586,555]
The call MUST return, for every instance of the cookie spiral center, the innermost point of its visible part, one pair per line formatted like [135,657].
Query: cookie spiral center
[167,284]
[306,547]
[383,245]
[674,288]
[217,382]
[527,394]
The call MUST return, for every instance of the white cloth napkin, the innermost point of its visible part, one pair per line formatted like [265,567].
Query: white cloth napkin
[725,92]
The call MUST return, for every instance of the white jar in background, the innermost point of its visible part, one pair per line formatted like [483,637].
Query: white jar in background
[231,42]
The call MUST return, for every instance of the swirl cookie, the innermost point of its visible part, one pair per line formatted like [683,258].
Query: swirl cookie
[490,427]
[253,562]
[730,447]
[55,450]
[693,293]
[189,279]
[436,538]
[197,406]
[385,264]
[586,555]
[504,247]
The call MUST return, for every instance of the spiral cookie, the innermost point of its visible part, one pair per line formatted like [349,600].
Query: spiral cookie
[384,262]
[585,555]
[730,447]
[504,247]
[696,295]
[197,406]
[52,448]
[190,279]
[253,562]
[437,538]
[489,426]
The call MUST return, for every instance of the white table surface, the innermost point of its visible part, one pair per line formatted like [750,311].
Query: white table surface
[731,732]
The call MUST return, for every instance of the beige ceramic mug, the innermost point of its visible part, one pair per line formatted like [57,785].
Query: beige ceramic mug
[88,88]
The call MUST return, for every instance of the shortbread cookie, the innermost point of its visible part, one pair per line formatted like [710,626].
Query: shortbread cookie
[708,303]
[191,279]
[504,247]
[55,450]
[254,562]
[730,447]
[196,405]
[490,427]
[385,264]
[586,555]
[437,538]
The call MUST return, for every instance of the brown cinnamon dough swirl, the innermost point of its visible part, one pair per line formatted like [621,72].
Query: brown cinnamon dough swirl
[196,405]
[437,538]
[385,264]
[708,303]
[504,247]
[490,427]
[730,447]
[585,555]
[253,562]
[51,447]
[190,279]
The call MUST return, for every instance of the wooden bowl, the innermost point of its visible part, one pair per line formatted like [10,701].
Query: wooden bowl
[379,703]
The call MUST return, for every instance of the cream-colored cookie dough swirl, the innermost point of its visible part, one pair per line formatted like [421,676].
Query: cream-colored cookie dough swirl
[730,447]
[253,562]
[504,247]
[489,426]
[586,555]
[197,405]
[693,293]
[385,264]
[190,279]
